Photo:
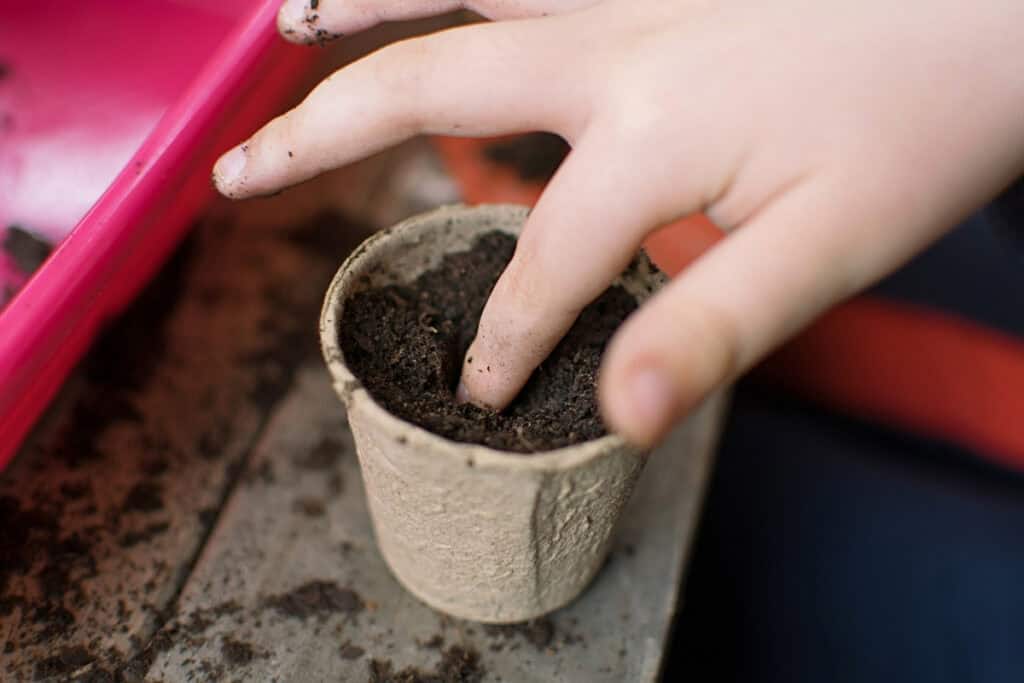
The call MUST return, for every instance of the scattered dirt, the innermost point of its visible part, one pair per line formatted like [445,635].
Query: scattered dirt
[146,496]
[406,343]
[238,653]
[320,35]
[310,507]
[323,456]
[457,665]
[435,642]
[537,632]
[207,517]
[71,517]
[27,250]
[34,546]
[19,527]
[535,156]
[186,631]
[75,490]
[264,473]
[316,599]
[350,651]
[34,549]
[151,531]
[64,663]
[98,675]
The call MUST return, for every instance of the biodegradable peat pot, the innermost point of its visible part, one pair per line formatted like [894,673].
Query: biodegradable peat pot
[475,532]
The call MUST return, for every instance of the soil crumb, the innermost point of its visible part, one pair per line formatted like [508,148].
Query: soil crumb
[537,632]
[457,665]
[324,456]
[534,156]
[406,344]
[63,663]
[310,507]
[237,653]
[317,598]
[133,538]
[350,651]
[146,496]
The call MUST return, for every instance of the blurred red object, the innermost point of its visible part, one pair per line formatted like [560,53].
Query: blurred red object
[673,247]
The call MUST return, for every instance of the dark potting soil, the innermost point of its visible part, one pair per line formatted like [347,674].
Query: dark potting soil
[405,343]
[534,156]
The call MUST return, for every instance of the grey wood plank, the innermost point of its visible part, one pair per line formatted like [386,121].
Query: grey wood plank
[105,510]
[292,588]
[106,506]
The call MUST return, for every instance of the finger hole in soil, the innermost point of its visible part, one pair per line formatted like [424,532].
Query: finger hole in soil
[405,343]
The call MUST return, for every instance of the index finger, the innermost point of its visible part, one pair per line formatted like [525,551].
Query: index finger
[314,21]
[444,83]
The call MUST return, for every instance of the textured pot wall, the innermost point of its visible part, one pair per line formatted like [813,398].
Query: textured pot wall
[475,532]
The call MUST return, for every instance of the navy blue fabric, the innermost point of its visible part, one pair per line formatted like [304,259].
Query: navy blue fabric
[835,550]
[977,271]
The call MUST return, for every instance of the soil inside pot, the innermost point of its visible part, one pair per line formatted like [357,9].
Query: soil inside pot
[405,343]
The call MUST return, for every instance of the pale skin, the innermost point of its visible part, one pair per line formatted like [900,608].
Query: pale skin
[831,141]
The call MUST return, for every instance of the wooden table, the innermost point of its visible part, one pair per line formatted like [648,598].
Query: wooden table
[181,513]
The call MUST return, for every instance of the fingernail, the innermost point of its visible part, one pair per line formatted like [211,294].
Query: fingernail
[652,399]
[462,396]
[228,169]
[461,393]
[293,13]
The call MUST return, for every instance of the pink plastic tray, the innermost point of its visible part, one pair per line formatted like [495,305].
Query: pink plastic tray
[110,119]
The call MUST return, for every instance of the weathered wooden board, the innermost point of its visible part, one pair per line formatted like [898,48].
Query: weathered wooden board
[291,587]
[105,509]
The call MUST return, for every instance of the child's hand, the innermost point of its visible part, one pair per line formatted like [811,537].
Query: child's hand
[833,139]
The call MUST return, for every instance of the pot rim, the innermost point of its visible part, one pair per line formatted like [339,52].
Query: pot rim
[357,398]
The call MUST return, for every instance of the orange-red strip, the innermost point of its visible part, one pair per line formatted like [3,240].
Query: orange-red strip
[915,369]
[921,370]
[672,248]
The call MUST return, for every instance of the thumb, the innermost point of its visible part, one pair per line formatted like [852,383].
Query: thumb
[762,283]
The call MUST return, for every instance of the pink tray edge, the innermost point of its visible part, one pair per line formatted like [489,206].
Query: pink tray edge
[101,265]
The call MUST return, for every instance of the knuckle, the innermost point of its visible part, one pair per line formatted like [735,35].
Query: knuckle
[400,72]
[529,276]
[279,135]
[397,66]
[517,288]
